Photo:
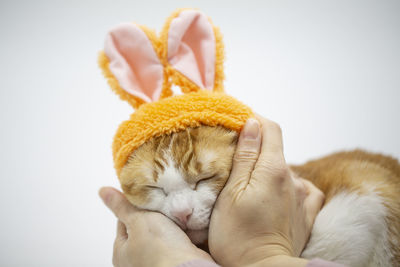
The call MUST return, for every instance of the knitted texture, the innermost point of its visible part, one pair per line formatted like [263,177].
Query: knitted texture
[175,114]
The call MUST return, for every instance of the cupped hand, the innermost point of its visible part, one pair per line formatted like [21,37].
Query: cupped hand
[147,238]
[263,211]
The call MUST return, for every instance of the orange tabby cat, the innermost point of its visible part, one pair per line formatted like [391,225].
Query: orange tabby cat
[181,175]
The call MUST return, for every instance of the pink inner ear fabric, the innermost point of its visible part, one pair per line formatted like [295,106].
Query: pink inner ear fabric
[134,62]
[191,47]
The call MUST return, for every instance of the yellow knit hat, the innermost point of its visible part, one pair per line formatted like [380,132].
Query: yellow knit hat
[141,67]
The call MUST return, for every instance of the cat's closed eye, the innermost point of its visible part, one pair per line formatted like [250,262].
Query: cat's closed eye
[204,180]
[160,189]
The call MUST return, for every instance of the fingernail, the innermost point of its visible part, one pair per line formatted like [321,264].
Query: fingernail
[251,129]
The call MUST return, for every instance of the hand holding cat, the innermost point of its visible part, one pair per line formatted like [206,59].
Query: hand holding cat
[263,215]
[147,238]
[241,233]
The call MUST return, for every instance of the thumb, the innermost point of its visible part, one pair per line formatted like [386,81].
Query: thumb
[117,203]
[246,155]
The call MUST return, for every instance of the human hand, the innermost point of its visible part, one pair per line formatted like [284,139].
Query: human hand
[263,212]
[146,238]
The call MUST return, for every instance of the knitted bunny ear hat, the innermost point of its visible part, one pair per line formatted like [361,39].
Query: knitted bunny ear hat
[141,67]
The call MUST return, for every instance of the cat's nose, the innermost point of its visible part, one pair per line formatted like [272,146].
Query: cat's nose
[182,215]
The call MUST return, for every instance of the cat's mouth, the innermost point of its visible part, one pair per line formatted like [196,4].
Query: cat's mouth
[193,225]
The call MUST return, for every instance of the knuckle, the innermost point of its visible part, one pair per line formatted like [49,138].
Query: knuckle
[320,196]
[281,173]
[245,155]
[277,167]
[276,170]
[300,188]
[315,191]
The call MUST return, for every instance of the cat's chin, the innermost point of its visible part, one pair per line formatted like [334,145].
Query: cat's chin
[197,236]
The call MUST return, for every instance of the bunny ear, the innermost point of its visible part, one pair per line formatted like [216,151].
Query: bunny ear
[193,51]
[132,65]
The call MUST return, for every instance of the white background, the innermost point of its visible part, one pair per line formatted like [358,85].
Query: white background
[327,71]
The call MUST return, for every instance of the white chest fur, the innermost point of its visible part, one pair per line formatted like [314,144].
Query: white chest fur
[351,229]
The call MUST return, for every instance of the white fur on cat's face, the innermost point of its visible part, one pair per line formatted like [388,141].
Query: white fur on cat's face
[181,176]
[188,205]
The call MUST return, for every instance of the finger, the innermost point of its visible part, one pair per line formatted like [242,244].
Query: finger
[119,241]
[272,145]
[271,162]
[246,154]
[314,200]
[117,203]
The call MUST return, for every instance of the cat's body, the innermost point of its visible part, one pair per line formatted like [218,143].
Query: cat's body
[182,174]
[359,224]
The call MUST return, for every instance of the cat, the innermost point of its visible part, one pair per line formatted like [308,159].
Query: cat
[181,175]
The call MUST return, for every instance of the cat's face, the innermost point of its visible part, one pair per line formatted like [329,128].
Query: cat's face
[181,175]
